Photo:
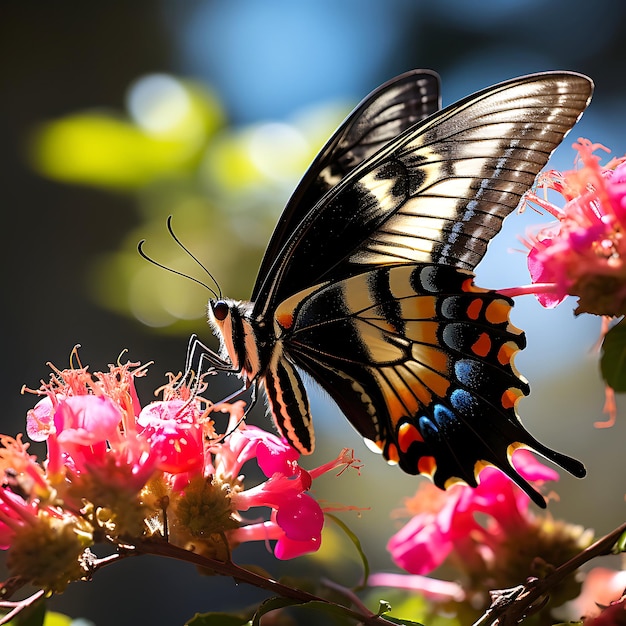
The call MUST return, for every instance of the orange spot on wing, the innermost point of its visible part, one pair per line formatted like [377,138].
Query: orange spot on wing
[427,465]
[506,352]
[285,320]
[407,434]
[379,444]
[469,287]
[452,481]
[474,309]
[392,453]
[516,445]
[482,345]
[497,311]
[479,466]
[510,397]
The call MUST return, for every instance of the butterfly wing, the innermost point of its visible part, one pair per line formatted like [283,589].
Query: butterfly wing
[383,115]
[437,193]
[421,363]
[372,286]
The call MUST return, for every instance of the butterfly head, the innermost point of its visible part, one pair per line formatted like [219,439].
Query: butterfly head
[231,323]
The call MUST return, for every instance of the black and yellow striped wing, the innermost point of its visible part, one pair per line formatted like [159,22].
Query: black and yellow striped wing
[420,361]
[382,116]
[368,284]
[438,192]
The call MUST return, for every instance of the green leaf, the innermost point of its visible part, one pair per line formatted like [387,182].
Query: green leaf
[357,544]
[217,619]
[271,604]
[613,360]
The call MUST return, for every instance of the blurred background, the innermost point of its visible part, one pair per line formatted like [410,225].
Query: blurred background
[116,115]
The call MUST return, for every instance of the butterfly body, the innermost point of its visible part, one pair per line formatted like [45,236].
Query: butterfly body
[367,283]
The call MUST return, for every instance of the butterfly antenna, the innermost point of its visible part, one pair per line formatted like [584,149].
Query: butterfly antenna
[182,245]
[173,271]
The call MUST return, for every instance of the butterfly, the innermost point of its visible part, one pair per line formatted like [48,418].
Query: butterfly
[367,284]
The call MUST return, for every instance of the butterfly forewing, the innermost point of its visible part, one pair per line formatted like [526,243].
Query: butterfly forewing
[438,192]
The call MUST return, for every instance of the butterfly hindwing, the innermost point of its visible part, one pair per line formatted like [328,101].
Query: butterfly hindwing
[421,362]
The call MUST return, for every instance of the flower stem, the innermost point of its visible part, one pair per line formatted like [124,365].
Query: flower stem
[240,574]
[18,607]
[510,606]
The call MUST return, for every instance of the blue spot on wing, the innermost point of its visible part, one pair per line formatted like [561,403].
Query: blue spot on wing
[462,400]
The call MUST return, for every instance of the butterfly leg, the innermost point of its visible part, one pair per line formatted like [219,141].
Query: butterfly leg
[200,359]
[241,391]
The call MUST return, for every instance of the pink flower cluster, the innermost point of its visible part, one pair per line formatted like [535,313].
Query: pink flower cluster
[22,474]
[487,534]
[123,471]
[296,518]
[584,253]
[445,524]
[602,601]
[91,425]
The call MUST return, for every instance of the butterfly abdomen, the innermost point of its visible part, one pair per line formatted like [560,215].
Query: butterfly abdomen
[288,402]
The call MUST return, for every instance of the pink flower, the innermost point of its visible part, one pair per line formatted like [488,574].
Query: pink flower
[173,432]
[118,472]
[15,514]
[103,448]
[583,253]
[296,526]
[129,468]
[83,426]
[44,542]
[245,443]
[600,588]
[296,519]
[612,615]
[40,419]
[88,440]
[445,522]
[488,534]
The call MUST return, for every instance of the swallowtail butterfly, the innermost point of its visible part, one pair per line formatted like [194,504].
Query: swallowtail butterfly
[367,282]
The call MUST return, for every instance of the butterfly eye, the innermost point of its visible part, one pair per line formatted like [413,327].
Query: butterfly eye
[220,310]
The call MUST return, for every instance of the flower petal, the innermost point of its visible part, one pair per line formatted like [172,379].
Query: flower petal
[287,548]
[301,518]
[276,456]
[420,546]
